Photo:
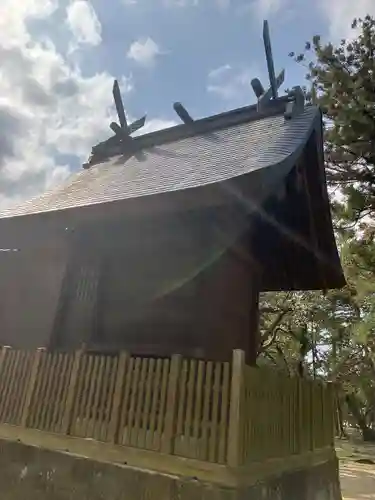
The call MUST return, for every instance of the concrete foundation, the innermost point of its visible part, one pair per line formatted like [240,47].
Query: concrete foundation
[38,474]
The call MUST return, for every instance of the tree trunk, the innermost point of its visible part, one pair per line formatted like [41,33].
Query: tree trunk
[368,434]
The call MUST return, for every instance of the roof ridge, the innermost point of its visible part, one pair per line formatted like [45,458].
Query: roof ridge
[108,149]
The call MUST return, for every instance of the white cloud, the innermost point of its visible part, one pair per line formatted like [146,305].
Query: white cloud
[48,109]
[340,14]
[13,15]
[262,9]
[144,51]
[51,114]
[83,22]
[220,71]
[233,83]
[267,8]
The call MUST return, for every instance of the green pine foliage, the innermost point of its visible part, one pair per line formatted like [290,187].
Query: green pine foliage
[333,335]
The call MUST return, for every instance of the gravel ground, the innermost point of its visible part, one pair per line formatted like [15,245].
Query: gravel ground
[357,470]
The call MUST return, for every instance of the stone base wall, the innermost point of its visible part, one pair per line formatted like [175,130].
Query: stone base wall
[32,473]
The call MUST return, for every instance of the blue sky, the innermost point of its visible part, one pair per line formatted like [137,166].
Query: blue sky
[58,59]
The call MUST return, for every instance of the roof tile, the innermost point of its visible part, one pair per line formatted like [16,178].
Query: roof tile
[189,162]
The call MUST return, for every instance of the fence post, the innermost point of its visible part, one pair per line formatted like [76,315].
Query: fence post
[235,430]
[117,397]
[170,417]
[31,386]
[3,352]
[65,428]
[332,414]
[300,417]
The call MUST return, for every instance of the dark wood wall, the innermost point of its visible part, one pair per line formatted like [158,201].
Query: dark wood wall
[158,285]
[30,283]
[162,285]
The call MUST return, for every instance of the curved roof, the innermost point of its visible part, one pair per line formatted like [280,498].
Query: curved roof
[206,152]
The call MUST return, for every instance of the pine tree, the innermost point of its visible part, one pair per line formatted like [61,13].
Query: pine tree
[342,83]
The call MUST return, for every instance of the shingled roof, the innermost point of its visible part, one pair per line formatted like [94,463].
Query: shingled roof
[208,151]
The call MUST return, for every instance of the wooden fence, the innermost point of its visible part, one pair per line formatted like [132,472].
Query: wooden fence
[226,413]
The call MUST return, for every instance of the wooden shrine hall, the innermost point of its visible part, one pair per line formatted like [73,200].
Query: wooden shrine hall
[163,242]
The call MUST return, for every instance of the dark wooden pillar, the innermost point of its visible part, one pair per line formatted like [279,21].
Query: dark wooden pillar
[229,298]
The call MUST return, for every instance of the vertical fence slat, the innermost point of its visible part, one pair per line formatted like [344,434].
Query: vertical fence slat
[10,386]
[198,409]
[50,395]
[140,402]
[206,410]
[154,405]
[83,395]
[105,399]
[3,352]
[6,359]
[71,394]
[99,380]
[162,401]
[31,387]
[133,400]
[14,391]
[170,417]
[189,405]
[61,393]
[213,442]
[180,443]
[117,398]
[89,411]
[23,378]
[125,408]
[236,409]
[147,407]
[224,414]
[44,382]
[109,408]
